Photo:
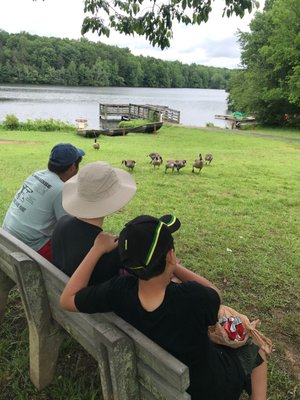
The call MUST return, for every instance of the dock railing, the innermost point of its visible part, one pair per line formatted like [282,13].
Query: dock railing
[108,110]
[137,111]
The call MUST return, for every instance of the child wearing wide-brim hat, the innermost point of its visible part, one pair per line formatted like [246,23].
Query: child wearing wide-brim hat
[97,191]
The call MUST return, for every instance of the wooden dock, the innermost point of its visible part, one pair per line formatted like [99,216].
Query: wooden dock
[118,112]
[236,121]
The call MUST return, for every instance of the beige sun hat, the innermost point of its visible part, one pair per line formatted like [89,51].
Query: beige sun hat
[97,190]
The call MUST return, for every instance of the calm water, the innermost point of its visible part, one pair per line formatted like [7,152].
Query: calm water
[197,106]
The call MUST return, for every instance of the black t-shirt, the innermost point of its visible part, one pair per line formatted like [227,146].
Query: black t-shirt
[179,325]
[71,241]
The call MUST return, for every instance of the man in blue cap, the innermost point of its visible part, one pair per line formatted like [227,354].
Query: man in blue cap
[37,206]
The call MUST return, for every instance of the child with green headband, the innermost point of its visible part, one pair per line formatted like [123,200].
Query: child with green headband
[174,315]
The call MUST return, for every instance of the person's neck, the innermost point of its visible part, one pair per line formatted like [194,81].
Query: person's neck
[93,221]
[69,173]
[152,292]
[64,176]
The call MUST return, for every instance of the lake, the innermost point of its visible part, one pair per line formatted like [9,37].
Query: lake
[197,106]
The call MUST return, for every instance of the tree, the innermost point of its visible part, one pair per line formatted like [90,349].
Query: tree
[100,71]
[217,81]
[294,86]
[71,75]
[178,79]
[153,19]
[268,86]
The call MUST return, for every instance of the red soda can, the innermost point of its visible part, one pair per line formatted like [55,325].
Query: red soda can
[234,328]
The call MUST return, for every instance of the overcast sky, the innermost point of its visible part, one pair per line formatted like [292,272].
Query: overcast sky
[212,44]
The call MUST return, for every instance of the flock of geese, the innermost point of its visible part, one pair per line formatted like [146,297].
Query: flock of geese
[157,161]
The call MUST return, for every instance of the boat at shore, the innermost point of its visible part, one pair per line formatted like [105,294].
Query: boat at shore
[89,133]
[152,127]
[94,133]
[116,131]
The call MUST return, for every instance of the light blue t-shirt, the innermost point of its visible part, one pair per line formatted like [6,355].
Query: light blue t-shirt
[35,209]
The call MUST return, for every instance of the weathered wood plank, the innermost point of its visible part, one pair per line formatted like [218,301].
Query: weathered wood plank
[145,394]
[157,384]
[5,263]
[7,278]
[6,284]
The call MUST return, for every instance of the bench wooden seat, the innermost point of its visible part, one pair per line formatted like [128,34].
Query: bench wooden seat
[131,366]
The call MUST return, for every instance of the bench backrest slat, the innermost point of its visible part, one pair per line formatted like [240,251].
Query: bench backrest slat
[157,384]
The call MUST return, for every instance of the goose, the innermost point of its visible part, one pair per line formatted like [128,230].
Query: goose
[155,155]
[96,145]
[156,162]
[170,164]
[180,164]
[208,158]
[198,163]
[130,164]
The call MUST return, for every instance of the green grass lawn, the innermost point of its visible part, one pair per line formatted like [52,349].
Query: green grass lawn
[240,228]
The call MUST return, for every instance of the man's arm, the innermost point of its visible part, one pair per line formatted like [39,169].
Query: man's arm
[184,275]
[104,243]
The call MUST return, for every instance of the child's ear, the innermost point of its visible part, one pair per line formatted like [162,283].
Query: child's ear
[171,256]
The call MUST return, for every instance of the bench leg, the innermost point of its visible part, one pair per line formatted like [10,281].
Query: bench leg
[45,335]
[44,350]
[6,284]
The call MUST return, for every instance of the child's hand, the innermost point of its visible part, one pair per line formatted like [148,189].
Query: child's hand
[105,242]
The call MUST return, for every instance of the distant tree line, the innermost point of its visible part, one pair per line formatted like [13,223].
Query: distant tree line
[31,59]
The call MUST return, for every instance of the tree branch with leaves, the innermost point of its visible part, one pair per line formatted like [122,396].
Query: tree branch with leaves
[154,19]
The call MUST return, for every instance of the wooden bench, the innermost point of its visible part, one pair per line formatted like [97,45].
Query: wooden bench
[131,366]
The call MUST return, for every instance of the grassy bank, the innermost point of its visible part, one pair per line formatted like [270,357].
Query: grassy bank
[240,229]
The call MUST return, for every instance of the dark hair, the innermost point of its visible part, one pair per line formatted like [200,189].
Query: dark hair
[144,243]
[156,267]
[58,169]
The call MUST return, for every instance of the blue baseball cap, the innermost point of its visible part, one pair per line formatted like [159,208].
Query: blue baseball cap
[64,154]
